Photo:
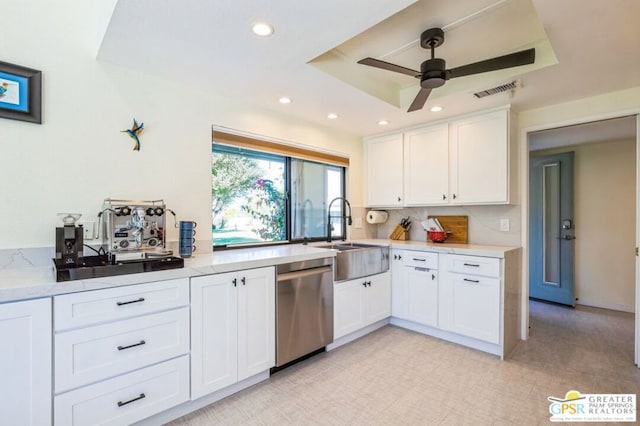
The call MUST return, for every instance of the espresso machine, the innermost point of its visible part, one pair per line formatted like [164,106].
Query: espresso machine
[134,229]
[69,240]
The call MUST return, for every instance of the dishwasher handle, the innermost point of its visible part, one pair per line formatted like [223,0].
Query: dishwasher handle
[303,273]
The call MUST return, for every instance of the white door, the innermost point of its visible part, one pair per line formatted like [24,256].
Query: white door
[479,148]
[422,295]
[426,162]
[256,321]
[25,363]
[384,171]
[378,298]
[214,331]
[348,307]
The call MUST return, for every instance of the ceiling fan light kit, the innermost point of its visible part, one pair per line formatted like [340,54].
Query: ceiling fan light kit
[434,73]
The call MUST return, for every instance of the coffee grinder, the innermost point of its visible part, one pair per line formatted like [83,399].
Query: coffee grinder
[69,240]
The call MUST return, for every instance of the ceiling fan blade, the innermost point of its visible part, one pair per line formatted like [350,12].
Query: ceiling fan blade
[524,57]
[389,67]
[420,99]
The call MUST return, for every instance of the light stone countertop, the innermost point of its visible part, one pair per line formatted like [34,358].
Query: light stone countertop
[36,281]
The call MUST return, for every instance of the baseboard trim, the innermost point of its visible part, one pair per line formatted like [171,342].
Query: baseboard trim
[357,334]
[450,337]
[610,306]
[191,406]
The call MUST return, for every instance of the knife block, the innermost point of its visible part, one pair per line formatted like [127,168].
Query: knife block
[399,234]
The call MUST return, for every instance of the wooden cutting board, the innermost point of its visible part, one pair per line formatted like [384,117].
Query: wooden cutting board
[457,225]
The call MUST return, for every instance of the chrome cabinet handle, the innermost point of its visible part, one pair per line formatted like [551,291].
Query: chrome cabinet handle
[130,302]
[364,284]
[471,281]
[140,343]
[244,281]
[235,282]
[138,398]
[419,260]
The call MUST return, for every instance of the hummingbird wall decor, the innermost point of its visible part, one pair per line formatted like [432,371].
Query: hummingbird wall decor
[134,132]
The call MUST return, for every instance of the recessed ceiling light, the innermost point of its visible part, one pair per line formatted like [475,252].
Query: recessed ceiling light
[262,29]
[383,122]
[284,100]
[436,108]
[332,116]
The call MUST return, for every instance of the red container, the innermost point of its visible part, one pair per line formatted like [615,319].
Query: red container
[437,237]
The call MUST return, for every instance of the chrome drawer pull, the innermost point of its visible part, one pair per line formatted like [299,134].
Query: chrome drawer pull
[121,404]
[140,343]
[471,281]
[419,260]
[417,268]
[130,302]
[472,264]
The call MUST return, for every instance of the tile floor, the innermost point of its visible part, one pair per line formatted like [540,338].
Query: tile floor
[398,377]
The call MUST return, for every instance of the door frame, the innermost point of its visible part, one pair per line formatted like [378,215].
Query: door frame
[523,136]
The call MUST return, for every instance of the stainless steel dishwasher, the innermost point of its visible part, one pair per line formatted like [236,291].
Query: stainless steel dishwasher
[304,308]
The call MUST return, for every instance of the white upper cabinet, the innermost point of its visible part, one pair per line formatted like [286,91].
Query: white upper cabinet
[458,162]
[384,171]
[479,150]
[426,166]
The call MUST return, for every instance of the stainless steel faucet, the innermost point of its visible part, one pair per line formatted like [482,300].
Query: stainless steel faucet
[347,217]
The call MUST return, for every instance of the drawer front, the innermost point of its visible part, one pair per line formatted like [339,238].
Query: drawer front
[476,265]
[421,259]
[93,307]
[126,399]
[95,353]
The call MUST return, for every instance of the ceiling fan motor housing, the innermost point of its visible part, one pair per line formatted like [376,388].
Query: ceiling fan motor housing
[434,73]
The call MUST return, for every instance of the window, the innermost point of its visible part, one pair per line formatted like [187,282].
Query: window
[260,197]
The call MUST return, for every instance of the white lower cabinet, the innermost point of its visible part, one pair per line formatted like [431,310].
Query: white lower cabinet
[121,354]
[360,302]
[91,354]
[471,306]
[457,297]
[415,286]
[25,363]
[471,296]
[126,399]
[232,328]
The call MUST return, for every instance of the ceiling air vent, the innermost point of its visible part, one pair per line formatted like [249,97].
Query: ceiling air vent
[498,89]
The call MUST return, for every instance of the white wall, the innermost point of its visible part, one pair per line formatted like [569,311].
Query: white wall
[604,215]
[78,156]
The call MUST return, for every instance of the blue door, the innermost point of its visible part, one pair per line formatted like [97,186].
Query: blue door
[551,228]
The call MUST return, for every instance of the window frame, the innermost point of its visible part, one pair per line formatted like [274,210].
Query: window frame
[287,188]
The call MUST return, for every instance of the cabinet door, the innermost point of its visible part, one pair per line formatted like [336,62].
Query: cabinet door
[25,363]
[256,321]
[384,171]
[422,295]
[480,154]
[399,283]
[214,330]
[426,166]
[377,298]
[475,306]
[348,305]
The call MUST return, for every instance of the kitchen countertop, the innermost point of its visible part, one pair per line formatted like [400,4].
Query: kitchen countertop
[39,281]
[451,248]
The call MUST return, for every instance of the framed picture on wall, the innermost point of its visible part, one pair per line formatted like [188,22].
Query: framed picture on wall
[20,93]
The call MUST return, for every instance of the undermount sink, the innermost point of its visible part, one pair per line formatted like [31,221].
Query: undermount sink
[355,260]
